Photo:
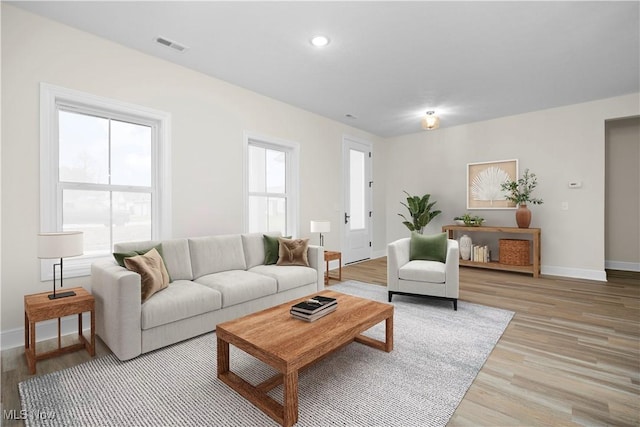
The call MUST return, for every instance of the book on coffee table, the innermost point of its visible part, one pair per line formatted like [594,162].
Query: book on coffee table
[314,305]
[313,317]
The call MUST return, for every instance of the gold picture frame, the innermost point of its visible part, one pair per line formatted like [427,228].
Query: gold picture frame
[483,184]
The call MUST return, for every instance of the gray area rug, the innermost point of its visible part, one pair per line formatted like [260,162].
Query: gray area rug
[437,354]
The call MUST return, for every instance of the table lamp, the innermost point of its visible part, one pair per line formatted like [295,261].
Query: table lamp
[320,227]
[60,245]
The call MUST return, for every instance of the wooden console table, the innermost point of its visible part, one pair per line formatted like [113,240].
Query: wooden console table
[535,232]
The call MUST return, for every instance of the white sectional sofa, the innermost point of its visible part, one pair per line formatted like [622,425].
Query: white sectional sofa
[214,279]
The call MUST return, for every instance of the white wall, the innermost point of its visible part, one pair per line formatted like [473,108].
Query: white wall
[559,145]
[209,117]
[208,120]
[622,192]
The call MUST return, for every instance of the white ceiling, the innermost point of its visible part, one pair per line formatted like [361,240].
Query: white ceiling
[388,62]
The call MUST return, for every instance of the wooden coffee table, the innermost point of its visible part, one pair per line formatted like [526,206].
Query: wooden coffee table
[290,345]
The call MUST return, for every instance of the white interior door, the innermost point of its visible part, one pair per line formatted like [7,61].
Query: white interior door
[357,218]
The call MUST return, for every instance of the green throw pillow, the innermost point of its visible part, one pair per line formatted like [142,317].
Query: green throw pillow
[271,249]
[428,248]
[120,256]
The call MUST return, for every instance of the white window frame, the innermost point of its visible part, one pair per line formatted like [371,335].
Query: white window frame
[292,152]
[51,98]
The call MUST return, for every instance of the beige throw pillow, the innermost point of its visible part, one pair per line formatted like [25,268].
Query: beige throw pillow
[293,252]
[152,271]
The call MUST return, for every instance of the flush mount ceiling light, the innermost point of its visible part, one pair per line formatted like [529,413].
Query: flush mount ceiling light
[430,121]
[320,41]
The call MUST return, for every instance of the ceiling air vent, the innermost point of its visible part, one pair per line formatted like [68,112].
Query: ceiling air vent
[170,43]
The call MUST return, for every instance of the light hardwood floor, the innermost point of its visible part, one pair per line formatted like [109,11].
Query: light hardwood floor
[570,356]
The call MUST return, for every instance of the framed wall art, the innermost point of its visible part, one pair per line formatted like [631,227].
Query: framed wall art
[483,184]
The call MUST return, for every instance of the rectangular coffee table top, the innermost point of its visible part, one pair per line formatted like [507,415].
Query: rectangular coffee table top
[286,343]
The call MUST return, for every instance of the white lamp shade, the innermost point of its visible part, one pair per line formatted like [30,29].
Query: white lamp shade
[430,122]
[320,226]
[60,245]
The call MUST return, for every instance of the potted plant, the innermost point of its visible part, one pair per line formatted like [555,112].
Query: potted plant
[519,192]
[469,221]
[420,210]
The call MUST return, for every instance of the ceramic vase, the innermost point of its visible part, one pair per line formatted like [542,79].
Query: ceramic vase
[523,216]
[465,247]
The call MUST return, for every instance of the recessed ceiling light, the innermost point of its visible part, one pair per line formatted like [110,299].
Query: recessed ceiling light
[320,41]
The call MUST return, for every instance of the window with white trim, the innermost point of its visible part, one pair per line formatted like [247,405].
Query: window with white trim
[103,172]
[271,183]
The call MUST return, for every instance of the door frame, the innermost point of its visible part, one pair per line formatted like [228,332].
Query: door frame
[369,195]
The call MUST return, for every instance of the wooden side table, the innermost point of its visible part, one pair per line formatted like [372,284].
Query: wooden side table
[332,256]
[38,307]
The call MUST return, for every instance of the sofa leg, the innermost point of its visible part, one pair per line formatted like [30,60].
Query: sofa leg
[455,304]
[390,295]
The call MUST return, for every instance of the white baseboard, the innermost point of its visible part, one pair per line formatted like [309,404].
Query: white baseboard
[333,265]
[622,265]
[576,273]
[44,331]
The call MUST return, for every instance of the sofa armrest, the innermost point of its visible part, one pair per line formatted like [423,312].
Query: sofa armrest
[397,256]
[315,255]
[452,271]
[117,292]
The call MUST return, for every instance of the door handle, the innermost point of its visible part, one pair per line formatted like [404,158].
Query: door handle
[346,218]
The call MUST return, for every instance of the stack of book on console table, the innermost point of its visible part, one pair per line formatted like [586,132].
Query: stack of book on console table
[314,308]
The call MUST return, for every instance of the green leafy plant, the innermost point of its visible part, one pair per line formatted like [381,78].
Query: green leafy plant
[519,192]
[470,221]
[420,210]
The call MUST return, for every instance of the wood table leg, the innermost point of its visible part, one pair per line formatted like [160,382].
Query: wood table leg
[26,331]
[93,333]
[389,334]
[326,273]
[80,324]
[223,357]
[536,255]
[290,407]
[31,354]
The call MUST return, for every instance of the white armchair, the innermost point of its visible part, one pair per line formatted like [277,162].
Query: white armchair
[423,278]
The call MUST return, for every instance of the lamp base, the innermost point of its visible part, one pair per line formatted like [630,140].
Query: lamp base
[62,295]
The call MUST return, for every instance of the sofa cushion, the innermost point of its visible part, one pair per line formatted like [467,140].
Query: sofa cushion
[288,277]
[253,246]
[177,259]
[272,249]
[181,300]
[428,248]
[175,254]
[216,253]
[237,286]
[423,271]
[293,252]
[253,249]
[153,273]
[120,256]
